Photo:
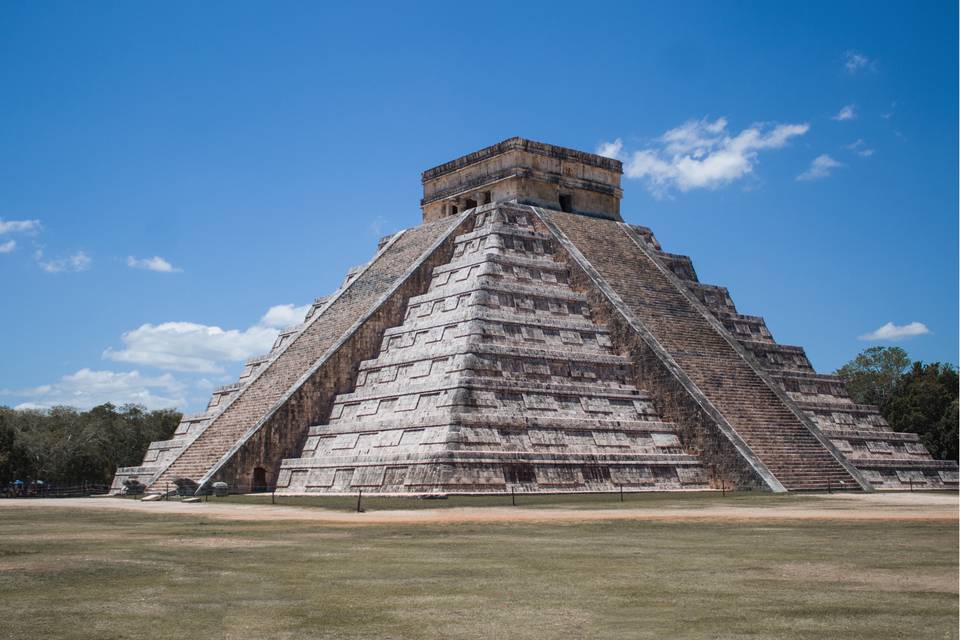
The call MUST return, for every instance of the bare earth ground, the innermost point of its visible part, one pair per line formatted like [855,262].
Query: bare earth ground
[933,507]
[743,566]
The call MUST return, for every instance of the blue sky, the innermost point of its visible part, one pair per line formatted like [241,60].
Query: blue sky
[178,178]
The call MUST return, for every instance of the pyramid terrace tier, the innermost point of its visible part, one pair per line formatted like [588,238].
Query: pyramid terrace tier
[396,370]
[811,387]
[540,271]
[778,357]
[482,341]
[484,472]
[643,424]
[435,433]
[505,240]
[484,393]
[910,476]
[493,325]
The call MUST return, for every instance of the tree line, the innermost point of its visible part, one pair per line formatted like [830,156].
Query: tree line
[67,446]
[913,396]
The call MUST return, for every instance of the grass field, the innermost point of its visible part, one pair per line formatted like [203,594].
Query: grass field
[102,574]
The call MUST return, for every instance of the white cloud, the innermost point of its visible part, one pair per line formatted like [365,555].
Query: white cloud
[87,388]
[10,226]
[611,149]
[848,112]
[379,225]
[820,167]
[860,148]
[16,226]
[199,348]
[854,61]
[156,263]
[700,154]
[283,315]
[188,346]
[892,331]
[79,261]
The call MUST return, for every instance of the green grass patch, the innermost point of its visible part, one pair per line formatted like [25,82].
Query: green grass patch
[103,574]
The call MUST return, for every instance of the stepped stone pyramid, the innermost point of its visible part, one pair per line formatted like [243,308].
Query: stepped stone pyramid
[525,338]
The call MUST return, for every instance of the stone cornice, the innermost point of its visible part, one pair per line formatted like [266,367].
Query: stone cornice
[529,146]
[523,172]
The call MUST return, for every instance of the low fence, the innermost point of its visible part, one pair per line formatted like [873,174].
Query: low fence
[52,490]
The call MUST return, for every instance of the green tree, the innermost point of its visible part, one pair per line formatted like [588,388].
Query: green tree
[872,376]
[925,403]
[64,445]
[913,397]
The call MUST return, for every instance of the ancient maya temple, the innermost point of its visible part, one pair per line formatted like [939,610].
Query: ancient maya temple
[524,338]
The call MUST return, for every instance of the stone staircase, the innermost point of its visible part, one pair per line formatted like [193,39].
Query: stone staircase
[787,446]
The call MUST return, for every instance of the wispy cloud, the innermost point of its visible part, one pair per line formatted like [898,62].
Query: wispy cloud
[855,61]
[380,226]
[200,348]
[889,114]
[15,226]
[611,149]
[281,316]
[156,263]
[848,112]
[87,388]
[860,148]
[11,226]
[820,167]
[891,331]
[79,261]
[700,154]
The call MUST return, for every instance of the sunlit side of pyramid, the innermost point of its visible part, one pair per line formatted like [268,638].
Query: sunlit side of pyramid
[498,376]
[524,338]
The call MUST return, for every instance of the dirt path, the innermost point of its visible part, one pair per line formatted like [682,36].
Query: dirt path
[849,507]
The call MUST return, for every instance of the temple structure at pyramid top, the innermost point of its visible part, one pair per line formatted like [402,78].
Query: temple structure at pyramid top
[524,338]
[525,172]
